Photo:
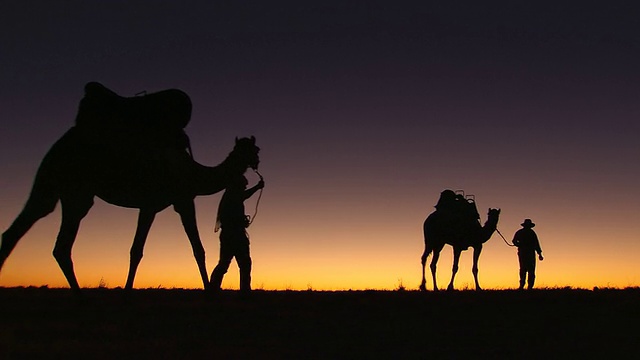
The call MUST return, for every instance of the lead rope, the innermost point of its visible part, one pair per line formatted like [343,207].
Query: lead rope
[505,240]
[255,213]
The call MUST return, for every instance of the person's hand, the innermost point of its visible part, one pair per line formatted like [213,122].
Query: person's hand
[260,184]
[540,257]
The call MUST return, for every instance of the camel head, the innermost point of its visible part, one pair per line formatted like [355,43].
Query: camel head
[246,151]
[490,225]
[492,219]
[493,213]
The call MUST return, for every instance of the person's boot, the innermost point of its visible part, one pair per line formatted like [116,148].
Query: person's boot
[216,281]
[245,281]
[532,280]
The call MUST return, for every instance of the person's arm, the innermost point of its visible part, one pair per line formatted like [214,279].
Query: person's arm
[538,248]
[516,238]
[249,192]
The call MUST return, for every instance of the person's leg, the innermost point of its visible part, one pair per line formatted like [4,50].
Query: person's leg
[243,257]
[226,255]
[523,270]
[532,272]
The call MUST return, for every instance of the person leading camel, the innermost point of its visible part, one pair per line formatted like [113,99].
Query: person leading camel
[528,245]
[234,241]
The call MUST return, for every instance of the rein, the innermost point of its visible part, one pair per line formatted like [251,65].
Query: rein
[505,240]
[255,213]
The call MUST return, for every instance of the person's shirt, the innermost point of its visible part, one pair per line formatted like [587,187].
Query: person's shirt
[231,210]
[527,240]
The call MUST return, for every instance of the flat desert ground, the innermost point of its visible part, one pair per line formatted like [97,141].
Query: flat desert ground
[43,323]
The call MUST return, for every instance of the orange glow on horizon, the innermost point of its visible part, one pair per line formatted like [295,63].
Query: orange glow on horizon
[364,239]
[283,262]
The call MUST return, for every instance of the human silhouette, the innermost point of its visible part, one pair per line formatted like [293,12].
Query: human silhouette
[455,222]
[528,245]
[234,240]
[130,152]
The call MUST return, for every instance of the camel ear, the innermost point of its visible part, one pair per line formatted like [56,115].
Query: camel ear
[253,139]
[236,139]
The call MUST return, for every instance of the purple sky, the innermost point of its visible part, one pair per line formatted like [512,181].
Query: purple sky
[364,112]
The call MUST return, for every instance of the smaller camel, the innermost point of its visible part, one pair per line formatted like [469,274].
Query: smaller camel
[439,231]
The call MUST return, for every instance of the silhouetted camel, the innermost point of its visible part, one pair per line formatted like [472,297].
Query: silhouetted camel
[132,171]
[438,232]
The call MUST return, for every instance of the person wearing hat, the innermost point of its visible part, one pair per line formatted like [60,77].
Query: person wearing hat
[528,245]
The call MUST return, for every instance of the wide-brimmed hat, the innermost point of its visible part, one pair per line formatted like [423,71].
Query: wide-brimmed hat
[528,223]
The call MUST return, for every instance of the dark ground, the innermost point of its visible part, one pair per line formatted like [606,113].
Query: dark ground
[38,323]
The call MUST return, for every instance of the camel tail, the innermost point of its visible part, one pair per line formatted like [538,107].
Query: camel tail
[42,201]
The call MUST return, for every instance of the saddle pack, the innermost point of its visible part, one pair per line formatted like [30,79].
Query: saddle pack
[456,208]
[156,119]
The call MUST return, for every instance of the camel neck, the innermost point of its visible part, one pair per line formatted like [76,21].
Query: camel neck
[212,179]
[489,228]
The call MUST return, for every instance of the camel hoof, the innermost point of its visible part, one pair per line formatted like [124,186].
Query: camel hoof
[423,287]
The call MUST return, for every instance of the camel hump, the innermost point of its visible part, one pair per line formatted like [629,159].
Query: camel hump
[95,89]
[454,209]
[169,108]
[159,117]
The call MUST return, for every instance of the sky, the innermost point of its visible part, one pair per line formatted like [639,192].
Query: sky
[365,111]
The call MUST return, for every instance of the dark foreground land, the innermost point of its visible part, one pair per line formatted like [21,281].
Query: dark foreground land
[184,324]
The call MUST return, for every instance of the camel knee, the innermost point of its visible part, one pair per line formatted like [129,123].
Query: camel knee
[136,254]
[24,222]
[62,254]
[199,253]
[40,210]
[8,244]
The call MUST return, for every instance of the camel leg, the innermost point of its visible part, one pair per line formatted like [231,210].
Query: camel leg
[454,269]
[187,213]
[41,203]
[145,219]
[474,269]
[433,266]
[423,284]
[73,211]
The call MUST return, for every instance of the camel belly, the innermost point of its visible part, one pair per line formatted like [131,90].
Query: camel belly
[132,177]
[151,183]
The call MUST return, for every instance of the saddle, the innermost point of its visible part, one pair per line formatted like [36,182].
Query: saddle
[156,119]
[456,214]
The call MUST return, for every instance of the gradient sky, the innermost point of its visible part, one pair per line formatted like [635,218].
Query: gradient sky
[365,111]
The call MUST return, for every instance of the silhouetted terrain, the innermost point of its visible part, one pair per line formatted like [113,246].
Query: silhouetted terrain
[181,324]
